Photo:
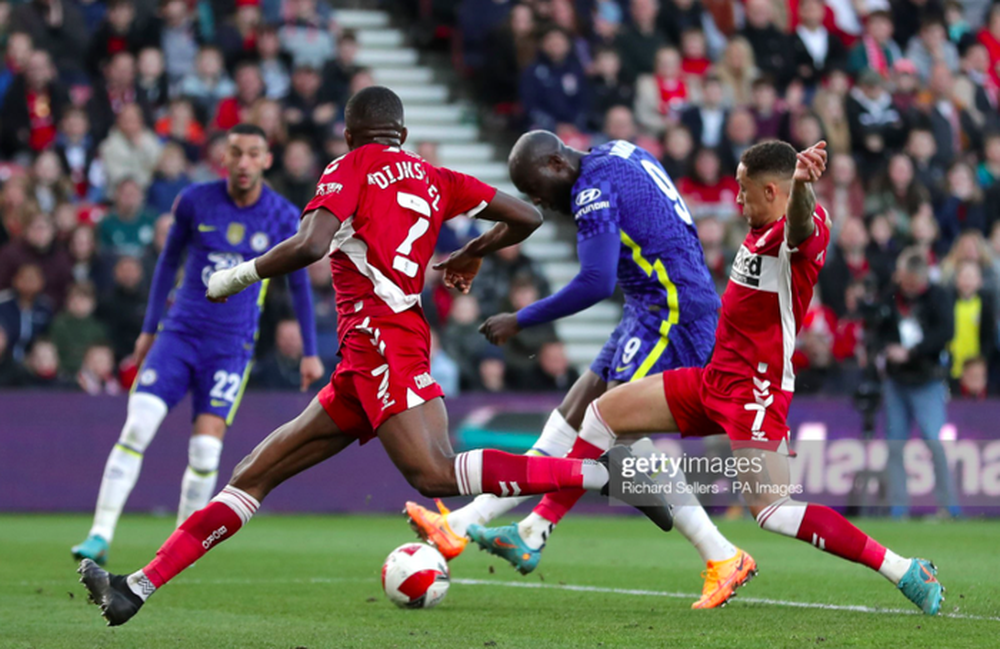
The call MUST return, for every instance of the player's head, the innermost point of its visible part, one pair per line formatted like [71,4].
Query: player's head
[544,169]
[765,177]
[248,156]
[374,114]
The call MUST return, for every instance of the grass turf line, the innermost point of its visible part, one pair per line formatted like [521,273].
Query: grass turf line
[312,581]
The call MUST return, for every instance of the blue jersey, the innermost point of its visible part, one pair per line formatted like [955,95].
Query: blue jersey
[218,234]
[661,266]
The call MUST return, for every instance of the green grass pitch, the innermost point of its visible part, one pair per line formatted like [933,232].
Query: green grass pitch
[313,581]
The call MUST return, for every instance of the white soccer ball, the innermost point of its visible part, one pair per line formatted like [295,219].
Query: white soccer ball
[415,575]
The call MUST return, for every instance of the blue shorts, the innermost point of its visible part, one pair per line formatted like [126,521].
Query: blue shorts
[643,345]
[214,370]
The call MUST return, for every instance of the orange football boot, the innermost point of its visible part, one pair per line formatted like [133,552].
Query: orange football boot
[434,529]
[722,578]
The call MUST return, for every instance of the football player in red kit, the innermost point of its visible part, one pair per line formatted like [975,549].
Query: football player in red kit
[377,213]
[745,390]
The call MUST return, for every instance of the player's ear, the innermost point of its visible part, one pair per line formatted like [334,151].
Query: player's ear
[268,160]
[349,138]
[403,135]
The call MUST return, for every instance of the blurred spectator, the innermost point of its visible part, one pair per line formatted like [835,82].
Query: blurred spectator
[989,36]
[876,125]
[237,36]
[180,125]
[87,264]
[563,15]
[498,273]
[161,228]
[337,72]
[179,39]
[118,32]
[208,84]
[884,247]
[971,247]
[816,50]
[846,264]
[477,20]
[249,88]
[914,338]
[554,89]
[131,150]
[897,193]
[521,351]
[677,17]
[963,207]
[33,105]
[16,53]
[553,372]
[737,70]
[694,53]
[740,135]
[661,96]
[10,371]
[924,231]
[212,166]
[279,370]
[988,171]
[124,306]
[38,248]
[444,370]
[510,48]
[128,227]
[169,180]
[840,191]
[25,311]
[273,64]
[42,367]
[975,320]
[295,178]
[813,360]
[619,124]
[931,47]
[309,108]
[712,235]
[954,18]
[877,50]
[905,86]
[97,373]
[639,42]
[708,191]
[56,28]
[77,150]
[462,340]
[606,85]
[927,168]
[973,382]
[151,87]
[112,93]
[491,371]
[949,121]
[677,147]
[48,185]
[706,119]
[976,87]
[773,49]
[305,35]
[767,112]
[325,308]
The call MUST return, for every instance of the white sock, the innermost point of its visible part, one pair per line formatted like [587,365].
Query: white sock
[556,440]
[198,484]
[595,476]
[535,530]
[145,414]
[690,518]
[140,584]
[894,566]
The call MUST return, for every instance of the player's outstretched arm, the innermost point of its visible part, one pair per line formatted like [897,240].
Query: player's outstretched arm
[515,221]
[309,244]
[801,199]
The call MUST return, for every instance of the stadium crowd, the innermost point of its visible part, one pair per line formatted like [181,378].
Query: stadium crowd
[109,109]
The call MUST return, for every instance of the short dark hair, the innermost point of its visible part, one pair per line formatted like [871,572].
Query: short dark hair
[373,106]
[248,129]
[913,260]
[771,157]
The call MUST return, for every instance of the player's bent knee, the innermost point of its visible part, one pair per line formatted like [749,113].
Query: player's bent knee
[145,414]
[783,516]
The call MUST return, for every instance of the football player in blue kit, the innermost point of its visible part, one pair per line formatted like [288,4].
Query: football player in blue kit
[198,346]
[633,230]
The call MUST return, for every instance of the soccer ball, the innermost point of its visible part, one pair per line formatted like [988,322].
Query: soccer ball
[415,575]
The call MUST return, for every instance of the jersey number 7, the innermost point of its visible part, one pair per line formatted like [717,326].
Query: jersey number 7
[401,261]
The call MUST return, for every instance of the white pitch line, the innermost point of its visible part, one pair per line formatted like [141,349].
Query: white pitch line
[749,600]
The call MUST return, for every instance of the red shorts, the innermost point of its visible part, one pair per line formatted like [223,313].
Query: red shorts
[705,402]
[384,370]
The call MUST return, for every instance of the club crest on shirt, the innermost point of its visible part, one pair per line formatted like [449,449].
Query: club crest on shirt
[148,377]
[259,241]
[235,233]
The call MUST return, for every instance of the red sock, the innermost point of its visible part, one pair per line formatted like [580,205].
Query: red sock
[202,531]
[504,474]
[831,532]
[557,504]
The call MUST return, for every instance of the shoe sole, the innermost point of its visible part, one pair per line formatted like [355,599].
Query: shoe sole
[750,575]
[95,580]
[516,568]
[424,536]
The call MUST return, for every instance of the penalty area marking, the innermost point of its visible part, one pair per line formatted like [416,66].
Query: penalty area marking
[740,598]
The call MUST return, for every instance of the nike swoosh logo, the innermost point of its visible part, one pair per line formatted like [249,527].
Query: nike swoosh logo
[206,228]
[623,369]
[503,544]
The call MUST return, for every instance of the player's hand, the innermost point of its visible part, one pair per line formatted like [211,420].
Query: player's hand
[500,328]
[811,163]
[230,281]
[142,345]
[460,268]
[311,369]
[218,283]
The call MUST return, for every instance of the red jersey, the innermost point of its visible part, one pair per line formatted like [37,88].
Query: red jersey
[770,287]
[391,204]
